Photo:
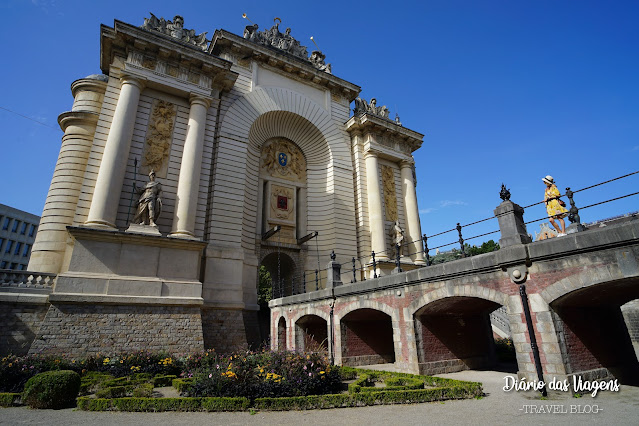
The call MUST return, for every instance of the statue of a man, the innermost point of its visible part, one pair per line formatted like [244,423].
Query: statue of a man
[397,236]
[150,202]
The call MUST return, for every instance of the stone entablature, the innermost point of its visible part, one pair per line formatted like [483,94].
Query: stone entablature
[391,140]
[161,62]
[244,51]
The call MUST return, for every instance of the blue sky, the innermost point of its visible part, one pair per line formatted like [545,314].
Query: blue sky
[504,91]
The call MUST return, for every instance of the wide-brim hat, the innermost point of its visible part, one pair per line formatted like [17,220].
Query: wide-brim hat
[549,180]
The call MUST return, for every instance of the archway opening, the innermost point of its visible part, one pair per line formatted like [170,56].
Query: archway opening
[311,334]
[281,334]
[593,336]
[367,338]
[282,272]
[455,334]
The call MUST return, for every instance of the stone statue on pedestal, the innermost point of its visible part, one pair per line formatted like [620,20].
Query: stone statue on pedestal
[397,237]
[150,203]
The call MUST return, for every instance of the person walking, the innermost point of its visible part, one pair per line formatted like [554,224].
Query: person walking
[554,206]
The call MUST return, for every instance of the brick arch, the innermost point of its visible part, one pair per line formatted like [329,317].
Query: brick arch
[584,279]
[309,311]
[474,290]
[367,304]
[269,112]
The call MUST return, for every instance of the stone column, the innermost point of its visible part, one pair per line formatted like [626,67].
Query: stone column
[79,126]
[190,170]
[108,186]
[413,227]
[375,214]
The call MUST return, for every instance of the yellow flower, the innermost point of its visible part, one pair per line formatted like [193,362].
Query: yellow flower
[322,372]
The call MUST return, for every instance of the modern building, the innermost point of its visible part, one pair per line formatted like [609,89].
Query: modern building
[17,233]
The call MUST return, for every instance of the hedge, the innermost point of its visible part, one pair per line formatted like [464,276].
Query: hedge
[163,404]
[9,399]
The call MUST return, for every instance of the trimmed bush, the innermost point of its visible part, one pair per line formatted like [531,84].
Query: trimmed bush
[160,381]
[113,392]
[53,389]
[145,390]
[181,384]
[9,399]
[92,381]
[164,404]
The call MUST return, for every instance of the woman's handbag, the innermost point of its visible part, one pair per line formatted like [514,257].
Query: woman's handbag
[561,203]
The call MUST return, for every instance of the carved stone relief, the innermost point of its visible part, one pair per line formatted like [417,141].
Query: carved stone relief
[390,197]
[282,203]
[158,138]
[281,158]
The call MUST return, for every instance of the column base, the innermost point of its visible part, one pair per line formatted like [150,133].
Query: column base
[100,224]
[186,235]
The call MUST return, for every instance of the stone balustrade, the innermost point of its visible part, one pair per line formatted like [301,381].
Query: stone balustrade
[26,279]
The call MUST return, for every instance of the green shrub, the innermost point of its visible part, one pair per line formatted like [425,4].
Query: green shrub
[53,389]
[144,390]
[94,404]
[112,392]
[225,404]
[160,381]
[9,399]
[181,385]
[92,381]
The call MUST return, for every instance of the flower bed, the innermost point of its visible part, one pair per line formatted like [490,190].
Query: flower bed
[209,382]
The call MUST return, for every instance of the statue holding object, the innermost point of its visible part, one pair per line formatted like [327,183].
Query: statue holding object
[149,205]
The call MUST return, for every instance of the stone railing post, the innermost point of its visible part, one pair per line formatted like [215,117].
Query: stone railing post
[511,224]
[333,273]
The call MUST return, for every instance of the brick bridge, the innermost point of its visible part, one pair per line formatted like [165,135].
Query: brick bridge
[436,319]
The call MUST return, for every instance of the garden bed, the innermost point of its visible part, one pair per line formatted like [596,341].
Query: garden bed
[239,382]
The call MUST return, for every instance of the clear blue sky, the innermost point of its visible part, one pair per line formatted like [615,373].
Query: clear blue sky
[504,91]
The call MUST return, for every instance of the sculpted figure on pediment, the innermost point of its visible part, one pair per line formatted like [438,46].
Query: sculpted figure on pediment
[363,107]
[175,29]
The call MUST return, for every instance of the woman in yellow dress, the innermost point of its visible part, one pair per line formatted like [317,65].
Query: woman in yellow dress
[554,209]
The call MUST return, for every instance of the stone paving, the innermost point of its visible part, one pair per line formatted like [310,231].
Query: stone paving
[497,407]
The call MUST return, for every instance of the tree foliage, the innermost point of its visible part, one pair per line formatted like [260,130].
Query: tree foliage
[455,254]
[265,287]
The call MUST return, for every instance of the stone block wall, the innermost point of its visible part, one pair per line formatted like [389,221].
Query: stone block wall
[369,342]
[630,313]
[20,324]
[223,330]
[82,330]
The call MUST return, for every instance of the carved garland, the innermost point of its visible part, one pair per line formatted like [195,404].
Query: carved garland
[158,139]
[390,199]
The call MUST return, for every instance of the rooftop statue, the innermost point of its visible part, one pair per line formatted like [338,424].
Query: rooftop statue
[363,107]
[285,42]
[176,30]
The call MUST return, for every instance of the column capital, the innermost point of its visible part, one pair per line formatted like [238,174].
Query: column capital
[197,99]
[371,153]
[134,80]
[406,163]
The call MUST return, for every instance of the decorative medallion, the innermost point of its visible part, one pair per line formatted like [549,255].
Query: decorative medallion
[282,158]
[282,203]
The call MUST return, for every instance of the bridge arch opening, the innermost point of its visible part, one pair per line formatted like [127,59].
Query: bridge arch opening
[593,335]
[311,334]
[367,338]
[281,334]
[454,334]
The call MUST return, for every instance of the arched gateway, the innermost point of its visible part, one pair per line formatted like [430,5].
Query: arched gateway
[259,163]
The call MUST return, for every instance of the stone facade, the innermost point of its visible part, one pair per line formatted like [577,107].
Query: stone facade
[243,136]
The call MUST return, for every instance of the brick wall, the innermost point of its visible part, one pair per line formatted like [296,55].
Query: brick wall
[367,342]
[311,333]
[20,323]
[281,334]
[81,330]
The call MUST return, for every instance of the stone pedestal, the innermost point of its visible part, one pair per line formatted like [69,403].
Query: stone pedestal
[333,274]
[511,224]
[143,229]
[128,291]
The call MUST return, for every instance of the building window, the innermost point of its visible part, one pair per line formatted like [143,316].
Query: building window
[32,230]
[27,248]
[9,246]
[16,222]
[20,267]
[5,225]
[18,247]
[13,266]
[3,265]
[1,243]
[23,230]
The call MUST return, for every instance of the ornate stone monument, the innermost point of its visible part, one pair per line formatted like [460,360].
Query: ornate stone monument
[246,134]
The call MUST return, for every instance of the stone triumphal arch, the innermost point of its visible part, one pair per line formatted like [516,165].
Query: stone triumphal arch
[257,159]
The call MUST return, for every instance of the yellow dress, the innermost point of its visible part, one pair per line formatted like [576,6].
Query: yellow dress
[553,207]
